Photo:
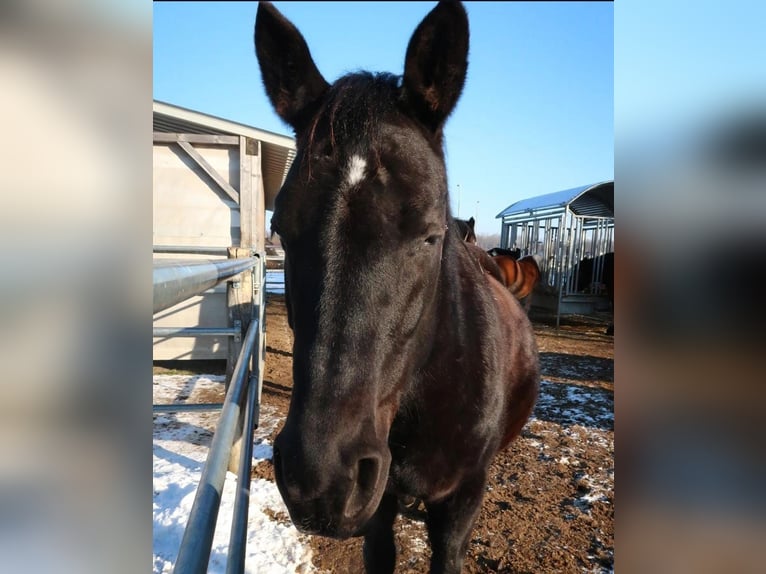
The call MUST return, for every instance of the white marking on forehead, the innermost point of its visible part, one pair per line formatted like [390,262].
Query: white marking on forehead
[355,170]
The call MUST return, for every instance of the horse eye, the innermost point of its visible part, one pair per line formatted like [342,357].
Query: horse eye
[432,239]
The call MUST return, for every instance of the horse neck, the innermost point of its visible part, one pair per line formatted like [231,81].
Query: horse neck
[453,273]
[437,314]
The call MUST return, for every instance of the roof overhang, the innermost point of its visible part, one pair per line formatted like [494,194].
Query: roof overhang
[592,200]
[278,150]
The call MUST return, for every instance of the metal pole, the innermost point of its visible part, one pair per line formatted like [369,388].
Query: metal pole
[186,407]
[175,281]
[561,266]
[190,250]
[238,537]
[598,261]
[194,553]
[547,251]
[195,332]
[262,339]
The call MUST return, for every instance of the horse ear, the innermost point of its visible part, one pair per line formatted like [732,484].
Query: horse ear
[471,223]
[292,80]
[436,63]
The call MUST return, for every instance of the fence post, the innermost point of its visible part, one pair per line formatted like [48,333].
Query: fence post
[239,294]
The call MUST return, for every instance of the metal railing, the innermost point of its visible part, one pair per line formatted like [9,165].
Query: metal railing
[190,250]
[174,282]
[194,553]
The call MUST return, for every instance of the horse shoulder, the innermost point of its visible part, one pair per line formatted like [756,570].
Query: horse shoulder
[520,368]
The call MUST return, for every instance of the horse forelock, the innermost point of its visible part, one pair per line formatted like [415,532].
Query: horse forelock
[348,120]
[351,112]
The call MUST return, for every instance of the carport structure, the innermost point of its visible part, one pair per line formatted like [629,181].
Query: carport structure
[561,229]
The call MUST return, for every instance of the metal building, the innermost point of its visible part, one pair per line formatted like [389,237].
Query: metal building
[562,229]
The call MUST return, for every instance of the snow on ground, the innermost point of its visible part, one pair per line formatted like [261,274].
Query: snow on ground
[180,447]
[595,406]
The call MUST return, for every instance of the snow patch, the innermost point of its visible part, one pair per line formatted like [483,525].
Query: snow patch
[181,442]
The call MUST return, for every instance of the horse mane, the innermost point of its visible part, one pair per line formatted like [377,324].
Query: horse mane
[512,253]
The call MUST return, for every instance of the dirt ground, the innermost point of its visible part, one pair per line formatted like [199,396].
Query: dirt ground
[549,504]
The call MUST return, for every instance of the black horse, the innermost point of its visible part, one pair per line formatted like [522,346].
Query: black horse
[465,228]
[412,367]
[512,253]
[585,275]
[586,272]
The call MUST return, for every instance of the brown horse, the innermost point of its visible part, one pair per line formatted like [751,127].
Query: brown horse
[412,367]
[519,275]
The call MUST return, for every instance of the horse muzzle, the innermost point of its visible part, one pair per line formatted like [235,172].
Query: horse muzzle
[333,499]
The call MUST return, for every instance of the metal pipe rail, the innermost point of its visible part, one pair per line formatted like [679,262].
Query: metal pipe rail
[175,281]
[186,407]
[195,332]
[238,536]
[190,250]
[194,553]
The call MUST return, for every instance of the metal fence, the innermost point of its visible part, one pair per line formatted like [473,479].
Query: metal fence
[562,230]
[174,282]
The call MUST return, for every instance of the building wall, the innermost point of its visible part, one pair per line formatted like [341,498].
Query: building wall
[189,209]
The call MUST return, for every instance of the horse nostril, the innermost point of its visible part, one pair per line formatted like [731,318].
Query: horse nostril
[367,474]
[363,488]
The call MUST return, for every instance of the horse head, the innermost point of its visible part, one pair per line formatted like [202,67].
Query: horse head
[466,229]
[363,216]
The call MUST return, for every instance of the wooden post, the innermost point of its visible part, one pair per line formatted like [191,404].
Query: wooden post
[246,204]
[240,295]
[255,158]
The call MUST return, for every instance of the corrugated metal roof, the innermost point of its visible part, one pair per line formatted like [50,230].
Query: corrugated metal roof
[592,200]
[278,150]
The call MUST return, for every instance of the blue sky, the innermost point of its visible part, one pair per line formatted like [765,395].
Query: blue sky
[686,62]
[536,115]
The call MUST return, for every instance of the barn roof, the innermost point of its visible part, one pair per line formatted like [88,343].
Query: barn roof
[592,200]
[278,150]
